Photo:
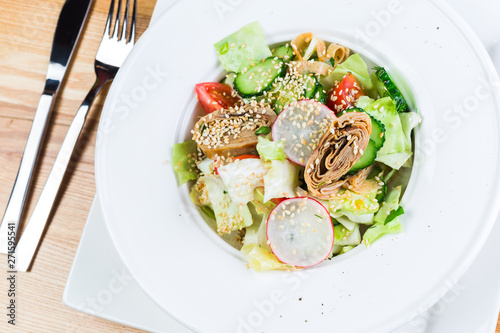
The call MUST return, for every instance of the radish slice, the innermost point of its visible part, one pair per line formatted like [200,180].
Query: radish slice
[301,125]
[300,232]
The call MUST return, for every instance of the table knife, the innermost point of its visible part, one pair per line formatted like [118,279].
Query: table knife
[69,26]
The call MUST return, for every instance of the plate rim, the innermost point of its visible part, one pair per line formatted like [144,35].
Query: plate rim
[486,64]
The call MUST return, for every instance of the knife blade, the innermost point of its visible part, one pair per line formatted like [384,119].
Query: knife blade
[69,26]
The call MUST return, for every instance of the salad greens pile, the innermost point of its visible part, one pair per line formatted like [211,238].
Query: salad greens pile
[250,157]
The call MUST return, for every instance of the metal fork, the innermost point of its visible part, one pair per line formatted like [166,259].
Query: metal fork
[113,50]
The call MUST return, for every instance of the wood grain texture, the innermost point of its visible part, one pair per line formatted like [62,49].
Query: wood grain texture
[26,31]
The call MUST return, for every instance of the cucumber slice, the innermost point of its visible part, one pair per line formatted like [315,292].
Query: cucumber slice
[378,133]
[260,77]
[353,109]
[311,86]
[319,94]
[284,52]
[282,101]
[307,86]
[392,89]
[381,194]
[378,129]
[369,156]
[229,79]
[376,172]
[281,98]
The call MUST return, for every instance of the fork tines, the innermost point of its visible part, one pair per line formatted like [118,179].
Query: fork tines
[123,28]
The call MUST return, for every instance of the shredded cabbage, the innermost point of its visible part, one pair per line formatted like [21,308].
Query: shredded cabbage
[260,259]
[256,233]
[242,177]
[228,215]
[243,47]
[183,156]
[206,166]
[281,180]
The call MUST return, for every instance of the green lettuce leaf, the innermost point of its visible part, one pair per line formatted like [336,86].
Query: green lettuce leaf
[381,226]
[243,47]
[347,219]
[183,157]
[344,237]
[257,232]
[260,259]
[198,194]
[378,230]
[355,65]
[336,249]
[409,120]
[281,180]
[348,224]
[364,101]
[260,205]
[209,211]
[346,249]
[378,90]
[353,205]
[391,202]
[271,150]
[397,149]
[393,214]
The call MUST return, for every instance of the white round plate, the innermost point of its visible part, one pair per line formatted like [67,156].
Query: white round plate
[451,202]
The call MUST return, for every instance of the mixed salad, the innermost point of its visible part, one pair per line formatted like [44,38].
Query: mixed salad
[304,151]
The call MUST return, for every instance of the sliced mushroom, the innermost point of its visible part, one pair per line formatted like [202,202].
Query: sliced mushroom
[337,152]
[321,49]
[315,67]
[231,132]
[338,52]
[305,44]
[355,182]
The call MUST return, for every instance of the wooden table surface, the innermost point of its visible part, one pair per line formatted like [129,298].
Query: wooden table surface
[26,31]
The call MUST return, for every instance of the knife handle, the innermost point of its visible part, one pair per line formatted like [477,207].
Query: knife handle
[14,210]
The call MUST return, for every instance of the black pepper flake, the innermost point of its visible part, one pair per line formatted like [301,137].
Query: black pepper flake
[300,298]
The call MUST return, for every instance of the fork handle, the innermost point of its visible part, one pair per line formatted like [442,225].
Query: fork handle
[26,248]
[13,212]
